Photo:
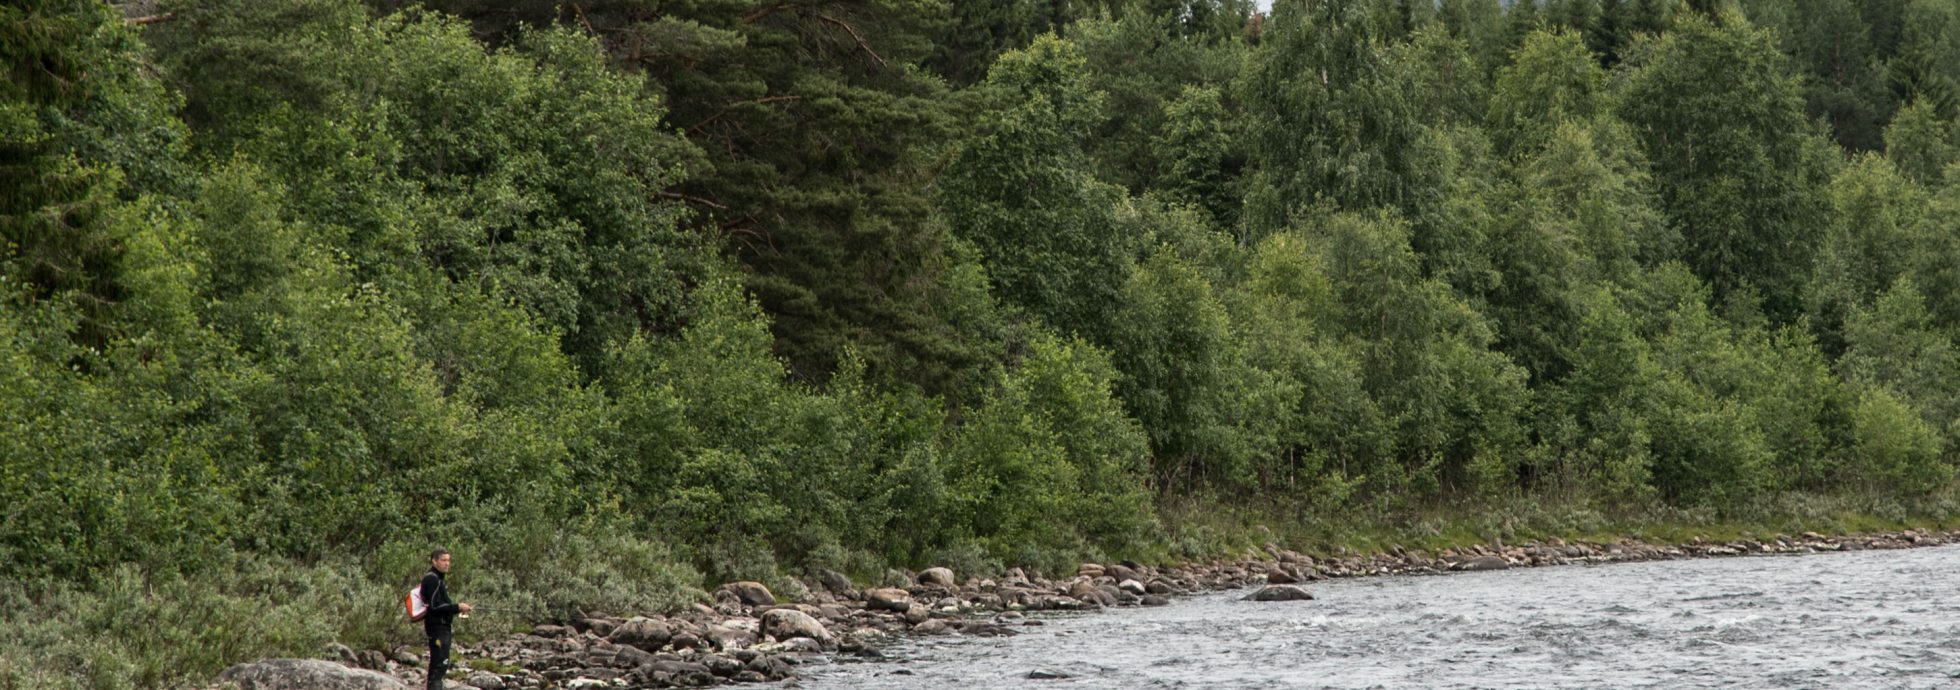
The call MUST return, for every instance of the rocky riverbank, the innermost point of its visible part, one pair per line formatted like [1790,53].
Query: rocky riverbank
[751,634]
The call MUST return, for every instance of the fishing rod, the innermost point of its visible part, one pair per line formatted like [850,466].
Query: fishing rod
[499,609]
[494,609]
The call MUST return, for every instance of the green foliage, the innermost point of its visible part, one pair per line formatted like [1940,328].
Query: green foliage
[1935,259]
[1168,122]
[531,172]
[1052,441]
[1209,414]
[816,127]
[1478,23]
[1440,75]
[1878,219]
[81,128]
[1719,115]
[977,33]
[1044,227]
[1845,83]
[1597,417]
[125,628]
[1895,346]
[1921,144]
[1325,118]
[1895,449]
[1199,155]
[1424,356]
[1288,319]
[1926,64]
[1552,80]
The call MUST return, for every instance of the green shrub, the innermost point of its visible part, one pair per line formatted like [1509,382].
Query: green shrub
[1893,448]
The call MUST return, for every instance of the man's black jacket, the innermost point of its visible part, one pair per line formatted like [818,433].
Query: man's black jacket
[442,611]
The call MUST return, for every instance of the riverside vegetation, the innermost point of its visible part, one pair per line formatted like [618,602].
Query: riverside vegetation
[622,299]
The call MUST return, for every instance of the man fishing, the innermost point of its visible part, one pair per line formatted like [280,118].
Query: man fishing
[442,613]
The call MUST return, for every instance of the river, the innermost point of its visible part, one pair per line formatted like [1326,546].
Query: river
[1862,619]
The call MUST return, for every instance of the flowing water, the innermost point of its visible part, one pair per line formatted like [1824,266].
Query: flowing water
[1864,619]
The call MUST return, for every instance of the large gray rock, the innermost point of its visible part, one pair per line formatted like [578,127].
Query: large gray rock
[1482,563]
[938,577]
[751,593]
[729,638]
[344,654]
[917,613]
[627,656]
[770,667]
[642,632]
[1280,593]
[784,624]
[305,674]
[485,680]
[677,667]
[888,599]
[721,666]
[836,582]
[600,626]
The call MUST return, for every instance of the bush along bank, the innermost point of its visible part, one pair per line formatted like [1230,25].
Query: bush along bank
[752,635]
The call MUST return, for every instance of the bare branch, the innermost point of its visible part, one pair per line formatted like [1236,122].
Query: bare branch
[579,12]
[754,101]
[860,39]
[761,12]
[695,199]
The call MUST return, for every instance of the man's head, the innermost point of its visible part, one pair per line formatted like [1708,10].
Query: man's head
[439,559]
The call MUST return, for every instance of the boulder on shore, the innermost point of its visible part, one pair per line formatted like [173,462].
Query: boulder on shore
[836,582]
[888,599]
[1280,593]
[305,674]
[917,613]
[938,577]
[751,593]
[1481,563]
[642,632]
[784,624]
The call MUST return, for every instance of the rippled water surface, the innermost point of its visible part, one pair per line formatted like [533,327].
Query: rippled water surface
[1868,619]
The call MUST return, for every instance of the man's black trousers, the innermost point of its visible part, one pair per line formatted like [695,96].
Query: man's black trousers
[438,659]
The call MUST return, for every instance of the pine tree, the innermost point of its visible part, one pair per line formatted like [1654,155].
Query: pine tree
[1844,85]
[81,129]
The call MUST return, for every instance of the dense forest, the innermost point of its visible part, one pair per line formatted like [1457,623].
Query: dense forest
[620,298]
